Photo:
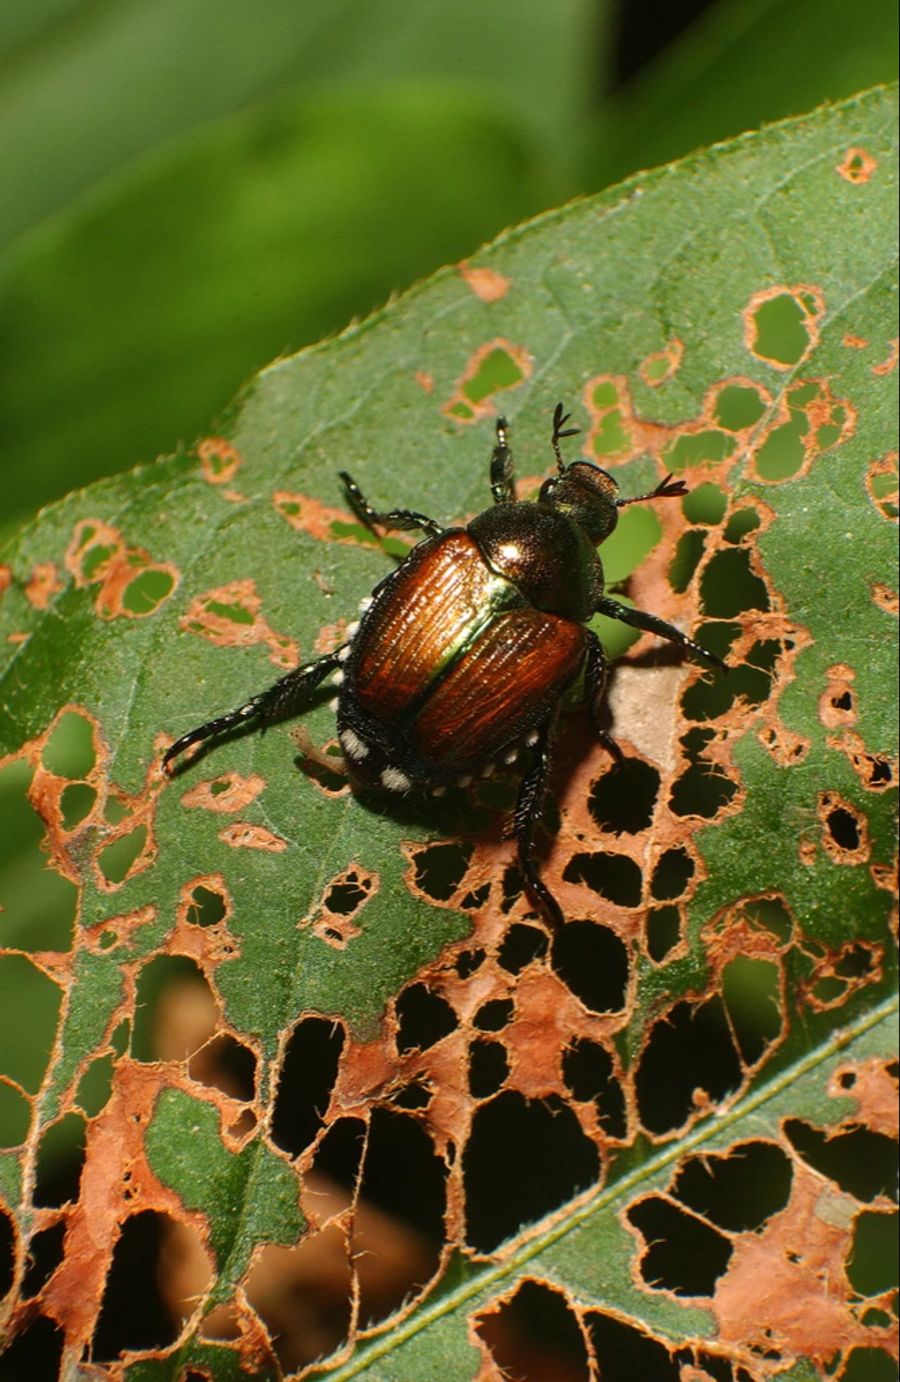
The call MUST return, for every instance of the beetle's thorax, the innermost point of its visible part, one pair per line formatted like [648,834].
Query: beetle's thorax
[544,553]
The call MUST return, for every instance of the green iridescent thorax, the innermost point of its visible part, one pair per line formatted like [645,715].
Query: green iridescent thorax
[545,554]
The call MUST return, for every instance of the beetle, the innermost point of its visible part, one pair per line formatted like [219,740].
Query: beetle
[464,652]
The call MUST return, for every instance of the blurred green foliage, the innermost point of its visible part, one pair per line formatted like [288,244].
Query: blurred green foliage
[192,187]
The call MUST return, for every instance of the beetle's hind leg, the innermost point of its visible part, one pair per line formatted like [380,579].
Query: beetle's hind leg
[503,475]
[286,697]
[525,822]
[400,520]
[651,623]
[595,673]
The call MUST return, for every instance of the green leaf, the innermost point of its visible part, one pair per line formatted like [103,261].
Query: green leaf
[285,979]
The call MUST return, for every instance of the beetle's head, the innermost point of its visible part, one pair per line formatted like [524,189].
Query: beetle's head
[587,495]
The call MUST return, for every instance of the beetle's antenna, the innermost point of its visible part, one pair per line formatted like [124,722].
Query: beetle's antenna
[666,489]
[559,431]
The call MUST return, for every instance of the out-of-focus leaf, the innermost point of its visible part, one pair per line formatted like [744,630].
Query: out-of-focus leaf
[743,63]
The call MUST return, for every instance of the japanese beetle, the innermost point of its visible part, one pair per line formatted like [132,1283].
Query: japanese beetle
[464,652]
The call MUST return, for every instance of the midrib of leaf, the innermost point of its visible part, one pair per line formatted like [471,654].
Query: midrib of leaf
[596,1201]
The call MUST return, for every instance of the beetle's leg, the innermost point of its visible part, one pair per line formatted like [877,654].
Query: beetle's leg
[503,477]
[560,430]
[650,623]
[525,821]
[595,669]
[666,489]
[398,519]
[286,697]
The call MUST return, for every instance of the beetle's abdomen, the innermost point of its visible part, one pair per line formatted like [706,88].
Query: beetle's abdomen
[504,685]
[428,613]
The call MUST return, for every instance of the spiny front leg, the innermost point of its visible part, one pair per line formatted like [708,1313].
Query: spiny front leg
[651,623]
[503,477]
[286,697]
[400,520]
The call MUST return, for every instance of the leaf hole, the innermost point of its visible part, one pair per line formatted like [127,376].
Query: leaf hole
[136,1314]
[423,1018]
[729,586]
[45,1252]
[468,961]
[684,1254]
[494,1015]
[488,1068]
[587,1069]
[227,1064]
[623,800]
[613,876]
[673,872]
[306,1078]
[60,1162]
[36,1352]
[737,1192]
[689,1062]
[663,932]
[524,1157]
[521,946]
[534,1334]
[592,961]
[117,859]
[440,868]
[861,1162]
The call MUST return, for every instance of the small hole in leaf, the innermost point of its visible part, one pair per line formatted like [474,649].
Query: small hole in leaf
[520,946]
[523,1158]
[587,1068]
[95,1086]
[146,592]
[338,1154]
[672,874]
[705,504]
[537,1323]
[488,1068]
[423,1018]
[781,332]
[663,932]
[613,876]
[346,898]
[494,1015]
[622,801]
[134,1314]
[60,1162]
[741,522]
[737,1192]
[869,1365]
[861,1162]
[116,859]
[468,961]
[403,1176]
[739,407]
[75,803]
[752,995]
[873,1266]
[306,1079]
[688,555]
[843,828]
[684,1255]
[701,791]
[69,752]
[170,990]
[45,1252]
[412,1096]
[625,1353]
[441,868]
[688,1062]
[498,370]
[207,907]
[35,1354]
[728,585]
[592,962]
[7,1253]
[225,1063]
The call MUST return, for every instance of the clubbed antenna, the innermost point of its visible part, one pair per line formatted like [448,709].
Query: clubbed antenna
[666,489]
[560,430]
